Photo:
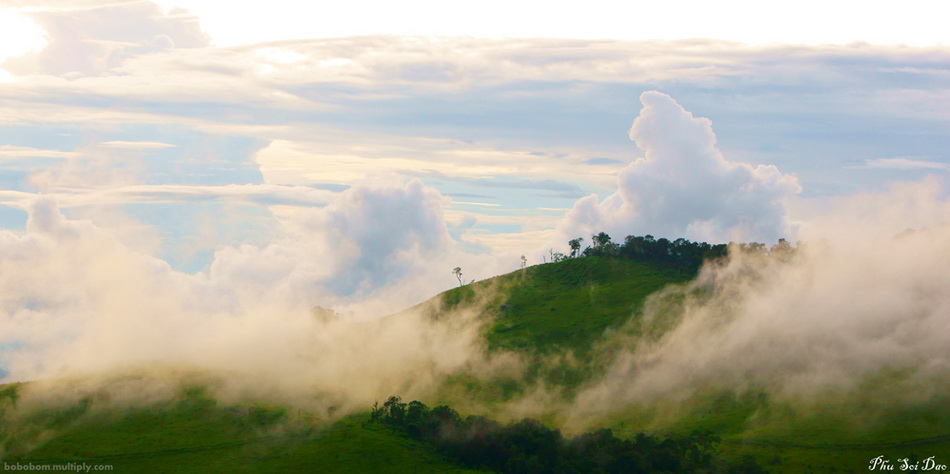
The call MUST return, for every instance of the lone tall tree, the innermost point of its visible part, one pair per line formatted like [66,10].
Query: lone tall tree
[575,246]
[458,274]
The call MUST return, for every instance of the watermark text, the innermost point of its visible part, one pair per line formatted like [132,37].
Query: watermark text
[882,463]
[61,467]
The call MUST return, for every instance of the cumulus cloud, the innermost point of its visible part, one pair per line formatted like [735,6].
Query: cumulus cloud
[368,239]
[685,187]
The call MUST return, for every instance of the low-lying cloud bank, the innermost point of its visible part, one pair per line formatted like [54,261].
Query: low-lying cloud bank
[75,300]
[865,293]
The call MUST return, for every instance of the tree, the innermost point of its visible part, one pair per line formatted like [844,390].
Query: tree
[458,274]
[601,240]
[575,246]
[602,247]
[530,446]
[524,262]
[634,247]
[325,315]
[782,247]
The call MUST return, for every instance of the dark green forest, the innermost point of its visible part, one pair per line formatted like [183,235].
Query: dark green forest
[682,255]
[527,446]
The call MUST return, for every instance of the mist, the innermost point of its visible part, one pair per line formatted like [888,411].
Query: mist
[864,293]
[88,314]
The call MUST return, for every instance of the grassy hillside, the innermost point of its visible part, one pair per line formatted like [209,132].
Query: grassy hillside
[566,305]
[195,434]
[539,311]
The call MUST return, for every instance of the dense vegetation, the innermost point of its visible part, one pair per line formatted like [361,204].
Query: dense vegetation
[682,255]
[530,447]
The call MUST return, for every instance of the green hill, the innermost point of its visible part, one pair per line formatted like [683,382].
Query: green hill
[541,312]
[568,306]
[560,306]
[195,434]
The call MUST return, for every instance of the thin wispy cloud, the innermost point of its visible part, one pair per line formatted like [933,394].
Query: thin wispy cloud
[13,153]
[262,194]
[136,145]
[906,164]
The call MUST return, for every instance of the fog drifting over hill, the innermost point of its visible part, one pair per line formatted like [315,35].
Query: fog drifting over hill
[866,291]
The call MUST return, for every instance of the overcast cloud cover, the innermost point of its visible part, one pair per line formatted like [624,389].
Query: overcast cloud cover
[156,189]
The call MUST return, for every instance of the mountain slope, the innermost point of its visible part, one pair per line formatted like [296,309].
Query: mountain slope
[561,306]
[539,312]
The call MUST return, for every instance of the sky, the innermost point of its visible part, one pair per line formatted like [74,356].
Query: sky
[351,155]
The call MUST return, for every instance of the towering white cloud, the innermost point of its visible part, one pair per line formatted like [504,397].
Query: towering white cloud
[368,239]
[685,187]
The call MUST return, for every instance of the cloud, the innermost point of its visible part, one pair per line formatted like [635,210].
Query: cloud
[860,296]
[907,164]
[374,247]
[135,145]
[76,300]
[10,153]
[261,194]
[92,40]
[863,294]
[472,116]
[368,248]
[684,187]
[348,100]
[192,158]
